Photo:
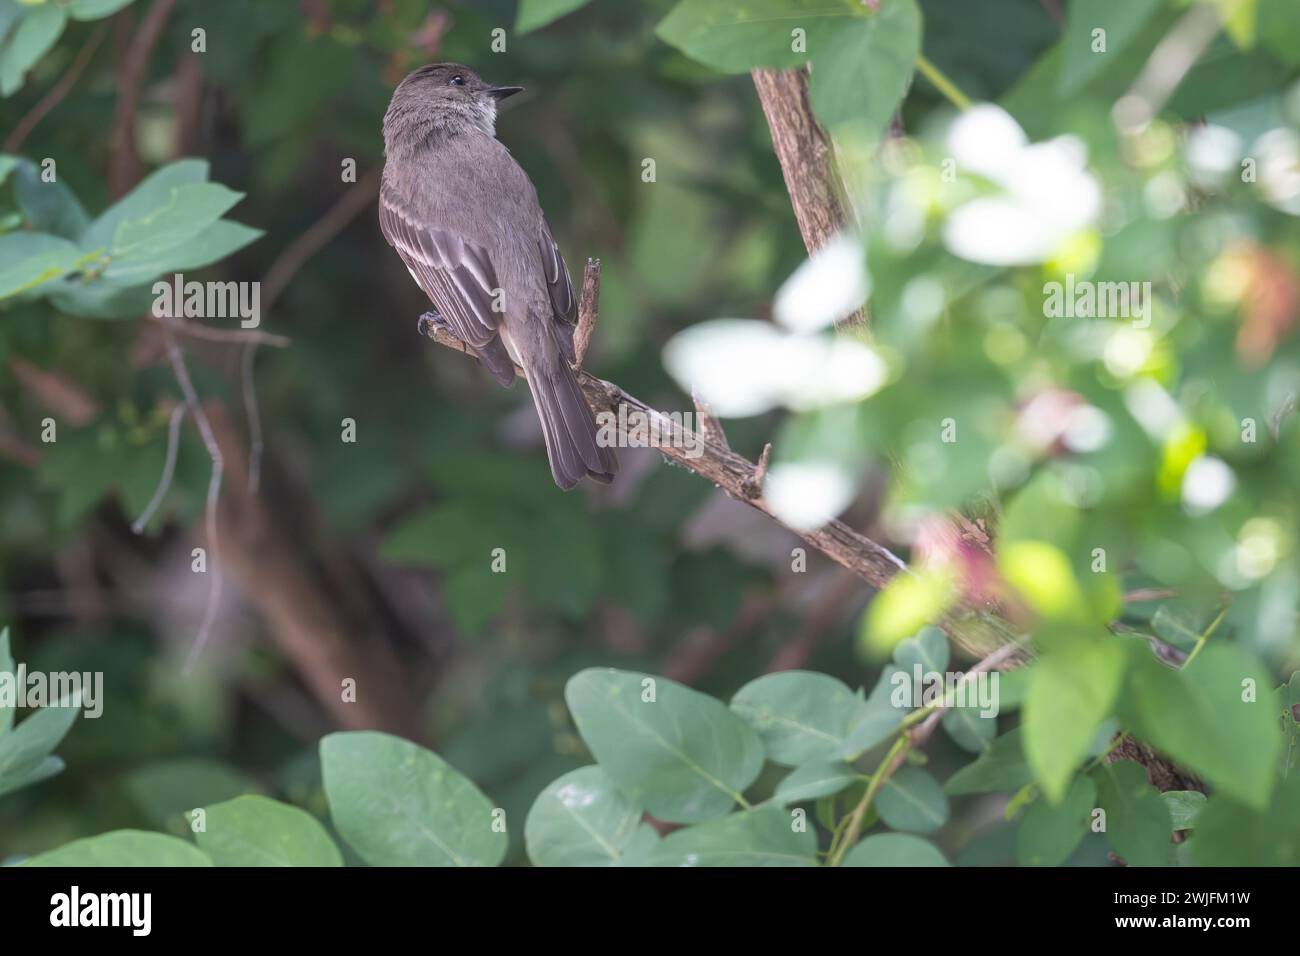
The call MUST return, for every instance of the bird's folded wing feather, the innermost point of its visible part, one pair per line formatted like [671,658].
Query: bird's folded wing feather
[455,274]
[560,287]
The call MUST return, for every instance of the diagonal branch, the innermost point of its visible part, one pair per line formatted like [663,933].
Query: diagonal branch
[975,628]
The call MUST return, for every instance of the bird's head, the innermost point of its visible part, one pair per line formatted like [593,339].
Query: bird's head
[443,96]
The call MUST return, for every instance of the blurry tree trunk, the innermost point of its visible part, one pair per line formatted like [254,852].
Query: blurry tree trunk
[301,616]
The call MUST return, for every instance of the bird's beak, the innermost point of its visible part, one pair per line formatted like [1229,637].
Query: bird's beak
[501,92]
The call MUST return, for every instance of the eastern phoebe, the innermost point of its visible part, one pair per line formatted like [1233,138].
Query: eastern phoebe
[465,219]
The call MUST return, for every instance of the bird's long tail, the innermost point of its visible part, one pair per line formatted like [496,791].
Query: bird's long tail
[568,425]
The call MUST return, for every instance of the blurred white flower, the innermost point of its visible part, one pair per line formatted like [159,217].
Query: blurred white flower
[743,367]
[734,365]
[1047,192]
[1279,168]
[1212,153]
[807,494]
[986,140]
[829,286]
[1207,483]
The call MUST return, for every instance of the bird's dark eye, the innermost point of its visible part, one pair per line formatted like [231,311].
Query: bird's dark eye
[457,80]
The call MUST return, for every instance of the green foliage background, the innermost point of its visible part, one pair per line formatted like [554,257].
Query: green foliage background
[544,694]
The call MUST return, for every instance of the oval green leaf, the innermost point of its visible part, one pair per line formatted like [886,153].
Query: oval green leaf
[912,800]
[398,804]
[800,715]
[683,755]
[124,848]
[894,849]
[769,836]
[582,819]
[259,831]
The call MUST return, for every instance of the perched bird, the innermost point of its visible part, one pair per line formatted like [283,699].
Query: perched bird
[465,219]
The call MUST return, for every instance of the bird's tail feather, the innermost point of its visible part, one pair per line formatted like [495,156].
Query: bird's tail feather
[568,426]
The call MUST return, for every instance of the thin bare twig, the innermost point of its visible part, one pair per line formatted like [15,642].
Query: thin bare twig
[753,486]
[182,373]
[1150,594]
[253,413]
[57,92]
[196,330]
[318,235]
[169,469]
[710,426]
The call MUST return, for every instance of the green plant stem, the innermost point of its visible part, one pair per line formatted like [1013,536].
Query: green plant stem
[854,829]
[1201,641]
[944,85]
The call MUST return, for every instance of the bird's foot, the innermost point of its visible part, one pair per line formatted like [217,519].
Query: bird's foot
[429,321]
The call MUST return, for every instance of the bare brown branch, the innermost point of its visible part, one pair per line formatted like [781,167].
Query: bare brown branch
[57,92]
[588,308]
[124,165]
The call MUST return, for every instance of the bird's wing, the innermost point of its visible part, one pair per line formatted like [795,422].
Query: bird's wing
[456,275]
[560,287]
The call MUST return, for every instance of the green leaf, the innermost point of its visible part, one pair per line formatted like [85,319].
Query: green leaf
[95,9]
[6,667]
[894,849]
[35,773]
[968,729]
[31,741]
[50,207]
[168,791]
[1049,832]
[800,715]
[1042,574]
[735,38]
[213,244]
[928,650]
[582,819]
[862,61]
[768,836]
[1122,21]
[258,831]
[881,717]
[1184,806]
[1137,821]
[1181,623]
[1230,834]
[534,14]
[152,194]
[905,605]
[1074,688]
[30,259]
[33,37]
[1279,28]
[398,804]
[1001,767]
[124,848]
[680,753]
[1198,717]
[912,800]
[815,780]
[863,74]
[188,211]
[99,300]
